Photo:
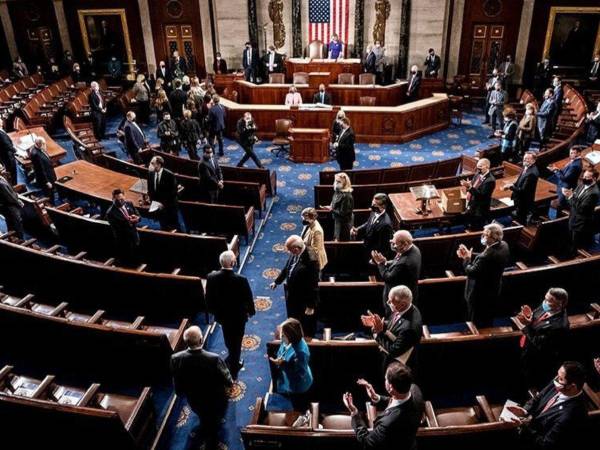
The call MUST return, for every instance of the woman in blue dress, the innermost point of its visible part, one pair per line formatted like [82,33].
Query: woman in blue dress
[294,377]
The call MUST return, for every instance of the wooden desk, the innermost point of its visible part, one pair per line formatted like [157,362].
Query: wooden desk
[226,80]
[55,151]
[322,65]
[97,183]
[405,204]
[429,86]
[310,145]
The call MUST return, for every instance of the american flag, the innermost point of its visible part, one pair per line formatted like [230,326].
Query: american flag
[327,17]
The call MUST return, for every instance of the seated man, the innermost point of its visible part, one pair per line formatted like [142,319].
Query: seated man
[556,417]
[376,232]
[323,97]
[397,427]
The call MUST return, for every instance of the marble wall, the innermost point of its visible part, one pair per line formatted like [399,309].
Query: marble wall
[231,18]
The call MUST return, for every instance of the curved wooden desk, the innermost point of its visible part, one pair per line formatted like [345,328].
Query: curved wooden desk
[55,151]
[334,67]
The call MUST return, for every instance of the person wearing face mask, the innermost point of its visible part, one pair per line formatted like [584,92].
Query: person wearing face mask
[545,116]
[414,83]
[556,418]
[509,134]
[496,101]
[123,218]
[400,333]
[191,134]
[313,235]
[168,134]
[163,190]
[404,268]
[163,72]
[135,139]
[490,86]
[246,129]
[379,62]
[229,298]
[583,201]
[484,274]
[542,77]
[344,146]
[526,130]
[592,120]
[115,70]
[544,332]
[250,62]
[557,98]
[219,64]
[568,176]
[524,188]
[396,427]
[335,47]
[322,97]
[341,207]
[432,64]
[300,277]
[10,205]
[272,62]
[377,231]
[211,176]
[507,71]
[369,61]
[479,195]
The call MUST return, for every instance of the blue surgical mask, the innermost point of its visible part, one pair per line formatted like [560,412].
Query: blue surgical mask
[546,306]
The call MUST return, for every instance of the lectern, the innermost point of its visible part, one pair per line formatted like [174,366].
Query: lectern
[309,145]
[424,194]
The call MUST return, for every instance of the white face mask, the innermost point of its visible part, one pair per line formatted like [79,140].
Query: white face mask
[337,186]
[483,240]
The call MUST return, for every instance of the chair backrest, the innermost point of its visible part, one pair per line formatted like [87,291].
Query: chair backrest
[315,49]
[276,78]
[282,127]
[300,78]
[366,78]
[19,124]
[226,93]
[234,96]
[367,101]
[346,78]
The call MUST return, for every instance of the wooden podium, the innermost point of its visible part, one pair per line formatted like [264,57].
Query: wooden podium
[309,145]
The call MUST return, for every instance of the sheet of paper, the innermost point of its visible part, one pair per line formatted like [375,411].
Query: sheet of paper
[155,206]
[594,157]
[507,201]
[506,415]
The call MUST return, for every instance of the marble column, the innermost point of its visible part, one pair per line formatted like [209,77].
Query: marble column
[455,37]
[147,35]
[63,29]
[207,33]
[359,28]
[9,31]
[404,40]
[252,22]
[523,39]
[297,28]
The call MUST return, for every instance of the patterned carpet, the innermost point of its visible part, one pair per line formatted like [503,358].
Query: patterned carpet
[295,182]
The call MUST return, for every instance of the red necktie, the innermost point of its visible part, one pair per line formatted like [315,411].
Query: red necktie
[543,317]
[125,213]
[550,403]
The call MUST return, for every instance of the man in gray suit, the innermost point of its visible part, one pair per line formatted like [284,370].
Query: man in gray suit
[379,62]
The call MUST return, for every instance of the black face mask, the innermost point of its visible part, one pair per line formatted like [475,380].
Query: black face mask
[305,222]
[207,157]
[587,181]
[374,208]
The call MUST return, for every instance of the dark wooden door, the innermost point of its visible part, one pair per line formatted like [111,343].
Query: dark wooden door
[487,51]
[180,37]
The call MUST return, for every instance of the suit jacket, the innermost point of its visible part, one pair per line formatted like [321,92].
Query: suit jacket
[581,216]
[558,428]
[369,64]
[177,99]
[413,86]
[164,127]
[134,138]
[178,66]
[165,74]
[303,280]
[399,336]
[202,377]
[593,129]
[8,197]
[545,115]
[7,151]
[523,190]
[210,174]
[594,71]
[395,428]
[314,238]
[246,132]
[166,190]
[94,99]
[220,66]
[376,233]
[403,269]
[544,339]
[277,63]
[42,166]
[345,148]
[527,127]
[216,118]
[326,98]
[125,232]
[484,274]
[496,101]
[229,297]
[568,176]
[481,196]
[557,98]
[253,61]
[432,65]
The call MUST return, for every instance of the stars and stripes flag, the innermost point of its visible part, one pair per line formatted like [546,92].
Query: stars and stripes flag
[328,17]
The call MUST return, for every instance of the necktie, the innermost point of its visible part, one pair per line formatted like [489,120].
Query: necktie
[293,264]
[550,403]
[477,183]
[156,180]
[540,319]
[395,318]
[322,97]
[124,211]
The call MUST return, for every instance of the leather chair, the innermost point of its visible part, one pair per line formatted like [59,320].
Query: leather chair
[234,96]
[337,422]
[276,78]
[346,78]
[367,101]
[226,93]
[282,137]
[315,50]
[366,78]
[300,78]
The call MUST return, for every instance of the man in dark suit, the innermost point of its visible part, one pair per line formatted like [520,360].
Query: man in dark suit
[229,298]
[162,71]
[568,176]
[545,116]
[7,154]
[300,276]
[43,169]
[484,274]
[397,427]
[400,333]
[490,86]
[369,63]
[523,189]
[216,123]
[344,146]
[479,195]
[557,98]
[414,83]
[250,62]
[162,189]
[272,62]
[10,205]
[178,66]
[246,129]
[583,201]
[594,72]
[404,269]
[177,99]
[544,333]
[376,232]
[98,107]
[203,379]
[322,96]
[209,172]
[90,67]
[219,64]
[557,417]
[135,140]
[432,64]
[123,218]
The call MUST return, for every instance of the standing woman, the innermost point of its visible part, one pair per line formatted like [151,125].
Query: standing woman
[336,127]
[344,146]
[141,92]
[509,134]
[294,377]
[313,236]
[342,207]
[161,103]
[190,134]
[526,130]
